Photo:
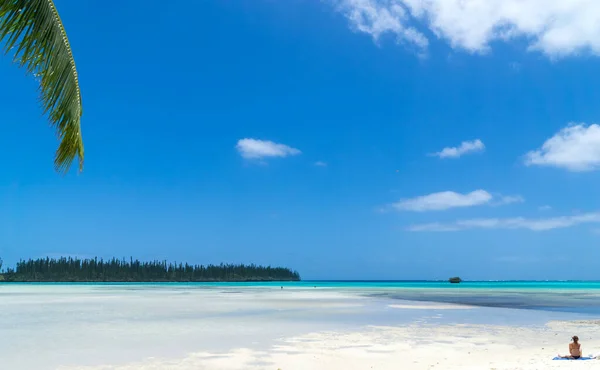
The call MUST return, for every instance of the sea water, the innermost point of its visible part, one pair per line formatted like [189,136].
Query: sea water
[565,296]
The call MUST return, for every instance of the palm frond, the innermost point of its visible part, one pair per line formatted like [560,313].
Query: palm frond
[33,32]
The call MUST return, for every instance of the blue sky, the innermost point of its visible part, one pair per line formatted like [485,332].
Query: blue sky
[349,139]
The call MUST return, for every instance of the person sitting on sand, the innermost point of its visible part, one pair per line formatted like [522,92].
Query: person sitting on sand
[574,349]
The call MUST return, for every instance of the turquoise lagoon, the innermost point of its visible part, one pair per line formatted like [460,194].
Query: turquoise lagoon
[561,296]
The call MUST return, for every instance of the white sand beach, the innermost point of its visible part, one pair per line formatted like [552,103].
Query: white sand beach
[135,328]
[446,347]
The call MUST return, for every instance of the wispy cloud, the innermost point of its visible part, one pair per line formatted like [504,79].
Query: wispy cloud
[540,224]
[450,199]
[259,149]
[515,66]
[376,18]
[320,164]
[545,208]
[575,148]
[464,148]
[554,27]
[443,200]
[509,199]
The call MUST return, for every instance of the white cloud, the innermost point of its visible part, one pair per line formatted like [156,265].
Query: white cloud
[542,224]
[320,164]
[575,148]
[554,27]
[443,200]
[464,148]
[376,17]
[510,199]
[545,208]
[258,149]
[450,199]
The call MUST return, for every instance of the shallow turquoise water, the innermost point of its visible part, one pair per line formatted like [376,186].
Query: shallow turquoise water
[567,285]
[488,285]
[582,297]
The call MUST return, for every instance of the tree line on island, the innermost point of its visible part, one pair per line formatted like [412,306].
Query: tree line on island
[69,269]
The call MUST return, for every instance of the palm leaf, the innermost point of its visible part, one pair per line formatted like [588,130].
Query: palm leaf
[33,32]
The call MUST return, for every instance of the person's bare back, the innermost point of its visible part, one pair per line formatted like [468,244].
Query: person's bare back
[574,349]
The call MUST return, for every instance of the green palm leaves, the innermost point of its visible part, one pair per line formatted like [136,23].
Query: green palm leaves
[33,31]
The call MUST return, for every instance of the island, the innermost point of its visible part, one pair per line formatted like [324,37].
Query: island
[455,280]
[70,269]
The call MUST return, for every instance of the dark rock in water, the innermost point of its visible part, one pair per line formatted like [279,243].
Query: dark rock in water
[455,280]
